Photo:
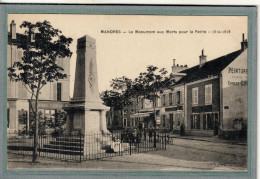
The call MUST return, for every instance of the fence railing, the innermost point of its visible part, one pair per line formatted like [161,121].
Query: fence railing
[79,147]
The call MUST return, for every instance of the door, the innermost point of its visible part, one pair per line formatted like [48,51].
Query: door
[204,122]
[171,122]
[209,122]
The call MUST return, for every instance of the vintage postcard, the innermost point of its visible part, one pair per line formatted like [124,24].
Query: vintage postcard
[162,93]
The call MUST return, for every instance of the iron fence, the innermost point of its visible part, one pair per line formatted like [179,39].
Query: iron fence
[79,147]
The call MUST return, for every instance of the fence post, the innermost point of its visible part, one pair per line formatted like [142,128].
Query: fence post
[80,147]
[154,140]
[165,141]
[130,147]
[137,140]
[39,144]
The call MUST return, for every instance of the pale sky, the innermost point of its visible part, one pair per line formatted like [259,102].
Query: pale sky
[128,54]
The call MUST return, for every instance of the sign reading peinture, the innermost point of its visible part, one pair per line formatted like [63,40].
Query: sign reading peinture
[236,73]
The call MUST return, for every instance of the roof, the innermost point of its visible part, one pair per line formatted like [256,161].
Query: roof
[18,40]
[213,67]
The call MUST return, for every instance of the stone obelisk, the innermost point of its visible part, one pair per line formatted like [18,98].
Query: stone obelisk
[86,111]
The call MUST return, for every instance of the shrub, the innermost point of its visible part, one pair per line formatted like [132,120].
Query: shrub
[58,125]
[42,124]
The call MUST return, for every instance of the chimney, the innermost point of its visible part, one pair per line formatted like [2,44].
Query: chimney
[13,30]
[203,58]
[173,60]
[244,42]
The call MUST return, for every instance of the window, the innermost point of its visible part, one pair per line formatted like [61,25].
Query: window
[208,122]
[58,91]
[208,94]
[171,122]
[156,103]
[163,100]
[163,121]
[125,123]
[133,122]
[194,96]
[178,97]
[170,98]
[178,119]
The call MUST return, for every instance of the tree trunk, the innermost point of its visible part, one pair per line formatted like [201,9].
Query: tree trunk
[112,118]
[138,111]
[122,114]
[36,133]
[154,112]
[35,143]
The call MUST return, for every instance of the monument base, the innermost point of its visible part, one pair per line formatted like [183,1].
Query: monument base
[91,124]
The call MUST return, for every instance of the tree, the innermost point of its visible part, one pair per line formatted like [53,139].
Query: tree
[42,46]
[112,99]
[153,82]
[137,92]
[120,96]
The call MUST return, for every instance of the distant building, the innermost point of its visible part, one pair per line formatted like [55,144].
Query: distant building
[208,99]
[53,96]
[216,93]
[169,107]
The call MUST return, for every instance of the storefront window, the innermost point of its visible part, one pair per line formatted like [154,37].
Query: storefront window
[208,122]
[195,121]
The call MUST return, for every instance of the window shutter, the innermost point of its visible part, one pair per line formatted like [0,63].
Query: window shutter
[210,93]
[180,97]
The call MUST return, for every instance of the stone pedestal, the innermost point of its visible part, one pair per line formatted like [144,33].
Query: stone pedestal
[87,114]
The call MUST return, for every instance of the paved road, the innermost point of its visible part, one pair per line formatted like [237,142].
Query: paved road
[227,154]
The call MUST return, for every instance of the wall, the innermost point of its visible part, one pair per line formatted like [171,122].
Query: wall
[15,89]
[48,92]
[234,83]
[201,96]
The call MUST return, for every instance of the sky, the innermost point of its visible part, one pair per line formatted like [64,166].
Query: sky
[128,54]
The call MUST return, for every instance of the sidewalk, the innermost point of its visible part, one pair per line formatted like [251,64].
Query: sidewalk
[210,139]
[142,161]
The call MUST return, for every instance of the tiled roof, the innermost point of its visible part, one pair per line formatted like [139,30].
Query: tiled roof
[213,67]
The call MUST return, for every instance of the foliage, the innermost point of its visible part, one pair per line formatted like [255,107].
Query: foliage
[42,46]
[147,85]
[153,82]
[38,65]
[42,124]
[112,99]
[59,123]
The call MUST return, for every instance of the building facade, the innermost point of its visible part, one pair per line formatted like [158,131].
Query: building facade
[52,96]
[208,99]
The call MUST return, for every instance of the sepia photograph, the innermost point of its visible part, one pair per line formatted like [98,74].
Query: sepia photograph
[127,92]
